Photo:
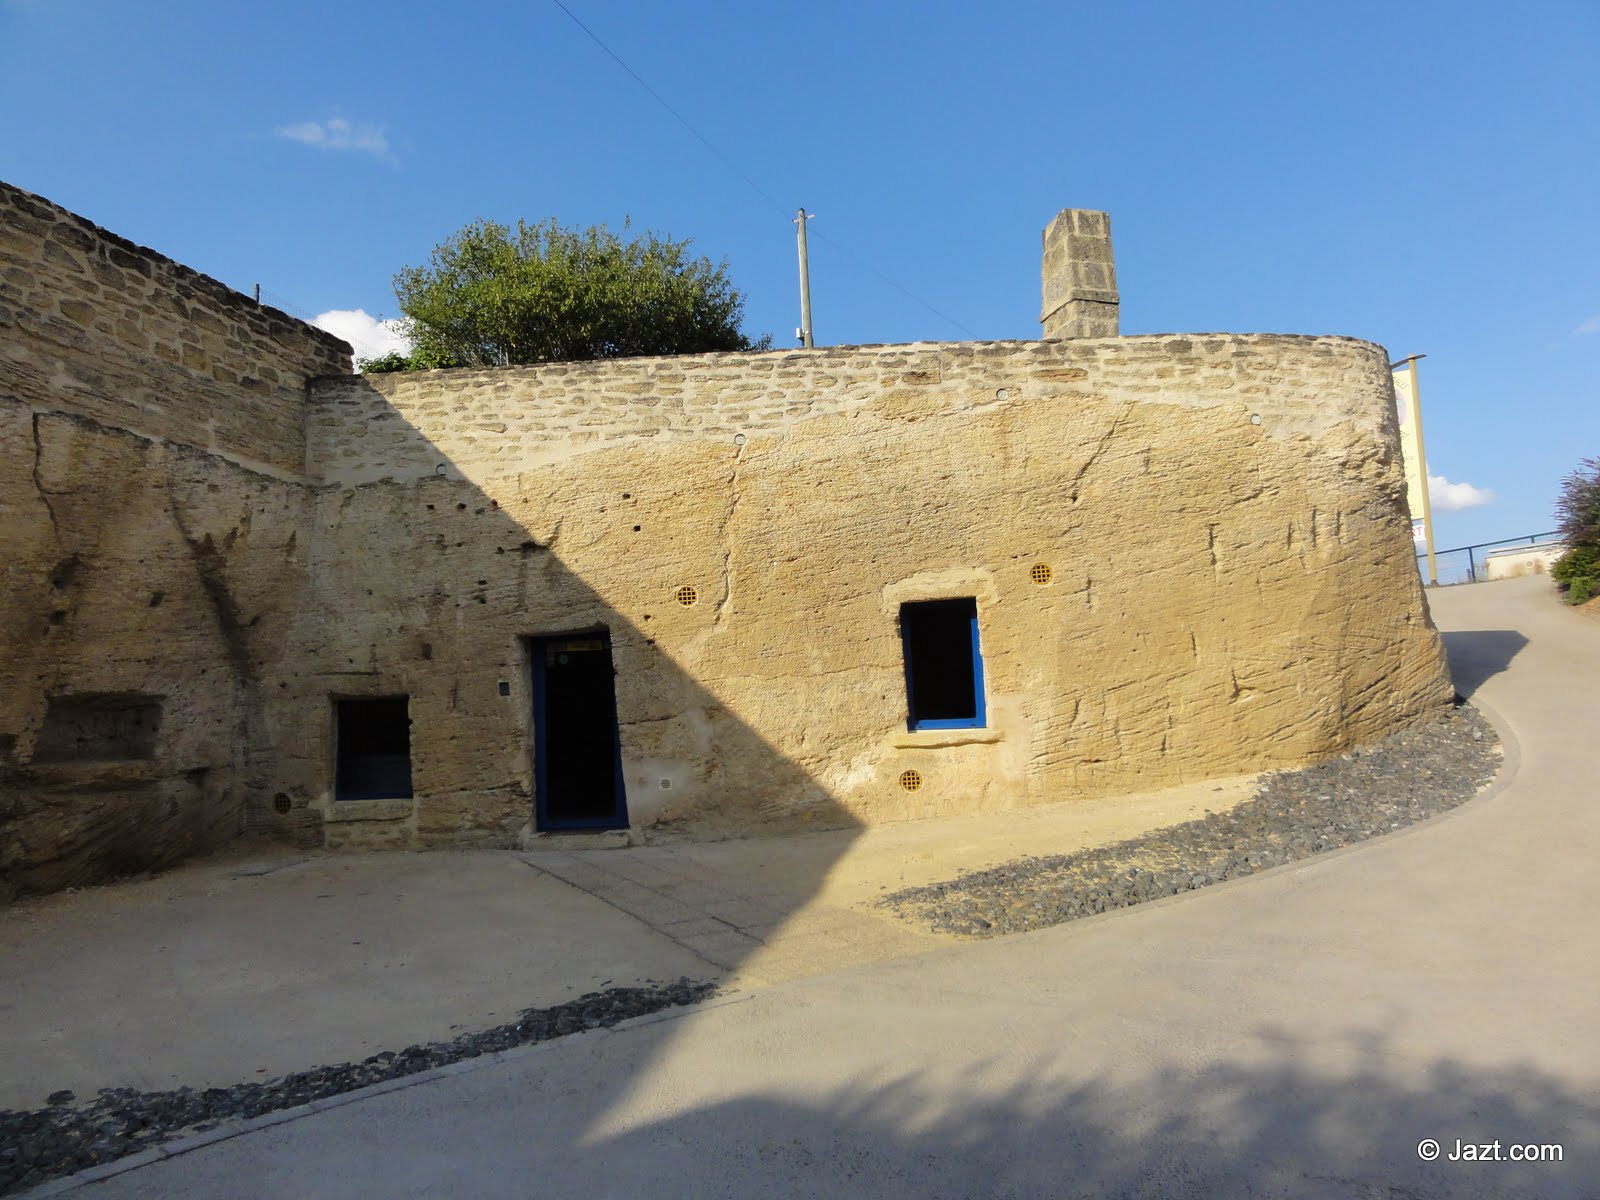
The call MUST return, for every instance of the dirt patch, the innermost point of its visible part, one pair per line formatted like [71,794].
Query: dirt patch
[1590,609]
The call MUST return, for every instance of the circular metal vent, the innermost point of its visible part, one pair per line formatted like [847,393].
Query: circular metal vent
[911,780]
[1041,573]
[281,804]
[687,595]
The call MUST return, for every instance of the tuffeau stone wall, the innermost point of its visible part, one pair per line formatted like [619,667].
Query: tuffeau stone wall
[153,513]
[1189,555]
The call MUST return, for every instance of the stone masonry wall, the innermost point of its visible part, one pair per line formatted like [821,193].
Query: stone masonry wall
[483,424]
[1189,554]
[1231,585]
[1079,277]
[153,427]
[94,325]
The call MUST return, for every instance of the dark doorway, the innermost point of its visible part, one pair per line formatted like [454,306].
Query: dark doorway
[374,749]
[577,758]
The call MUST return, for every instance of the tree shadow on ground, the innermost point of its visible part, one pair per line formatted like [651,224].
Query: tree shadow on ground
[1278,1127]
[1478,655]
[434,585]
[1275,1114]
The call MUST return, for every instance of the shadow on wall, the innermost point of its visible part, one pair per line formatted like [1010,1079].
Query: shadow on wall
[441,588]
[1269,1127]
[1478,655]
[147,586]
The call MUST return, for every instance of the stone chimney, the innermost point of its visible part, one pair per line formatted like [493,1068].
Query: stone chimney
[1080,278]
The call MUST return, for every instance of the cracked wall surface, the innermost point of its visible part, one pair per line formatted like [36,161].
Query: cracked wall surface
[1232,587]
[212,523]
[153,518]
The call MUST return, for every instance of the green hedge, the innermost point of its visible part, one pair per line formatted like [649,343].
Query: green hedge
[1577,573]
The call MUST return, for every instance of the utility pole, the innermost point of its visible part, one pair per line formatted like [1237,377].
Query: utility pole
[805,280]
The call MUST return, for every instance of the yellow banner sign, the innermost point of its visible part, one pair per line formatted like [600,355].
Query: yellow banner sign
[1410,454]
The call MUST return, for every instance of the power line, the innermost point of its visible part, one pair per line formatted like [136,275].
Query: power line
[855,260]
[682,120]
[863,265]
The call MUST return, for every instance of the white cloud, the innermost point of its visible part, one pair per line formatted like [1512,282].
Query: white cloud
[371,337]
[1592,325]
[1445,496]
[337,133]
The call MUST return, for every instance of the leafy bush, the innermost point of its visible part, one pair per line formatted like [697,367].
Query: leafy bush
[492,296]
[1581,562]
[1577,572]
[392,361]
[1578,509]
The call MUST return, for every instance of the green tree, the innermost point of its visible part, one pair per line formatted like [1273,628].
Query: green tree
[492,296]
[1578,509]
[1577,572]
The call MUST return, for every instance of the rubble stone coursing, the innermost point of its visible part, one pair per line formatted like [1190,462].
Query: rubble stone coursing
[1232,585]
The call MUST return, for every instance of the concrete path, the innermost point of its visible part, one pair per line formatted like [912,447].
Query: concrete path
[258,963]
[1295,1033]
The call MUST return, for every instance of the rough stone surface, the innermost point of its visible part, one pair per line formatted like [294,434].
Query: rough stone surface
[1407,777]
[66,1137]
[155,523]
[1079,276]
[1224,597]
[95,325]
[1230,584]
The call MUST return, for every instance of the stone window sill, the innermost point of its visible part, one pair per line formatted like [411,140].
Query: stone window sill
[369,810]
[932,739]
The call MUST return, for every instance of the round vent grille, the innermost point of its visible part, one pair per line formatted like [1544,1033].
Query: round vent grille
[911,780]
[687,595]
[1041,573]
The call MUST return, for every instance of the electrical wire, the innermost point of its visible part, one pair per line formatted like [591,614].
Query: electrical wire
[682,120]
[863,265]
[858,262]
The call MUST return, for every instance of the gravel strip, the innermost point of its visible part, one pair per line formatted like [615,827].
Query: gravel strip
[1407,777]
[66,1137]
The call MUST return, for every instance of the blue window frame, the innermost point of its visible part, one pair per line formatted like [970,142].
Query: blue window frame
[944,664]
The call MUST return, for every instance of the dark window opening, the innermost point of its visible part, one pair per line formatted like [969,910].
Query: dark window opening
[374,749]
[99,727]
[944,668]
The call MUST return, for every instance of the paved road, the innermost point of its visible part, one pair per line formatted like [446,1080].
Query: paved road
[1296,1033]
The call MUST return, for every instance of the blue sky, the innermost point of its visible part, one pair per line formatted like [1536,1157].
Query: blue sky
[1424,175]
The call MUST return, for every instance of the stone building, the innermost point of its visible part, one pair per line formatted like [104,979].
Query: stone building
[713,595]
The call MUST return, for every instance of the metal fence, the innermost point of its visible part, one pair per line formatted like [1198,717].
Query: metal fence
[1464,564]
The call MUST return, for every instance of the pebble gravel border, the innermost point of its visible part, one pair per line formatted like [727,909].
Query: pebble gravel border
[1405,778]
[67,1137]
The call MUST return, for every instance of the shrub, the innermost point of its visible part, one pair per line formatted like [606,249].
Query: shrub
[1581,562]
[1578,508]
[1577,572]
[392,361]
[493,296]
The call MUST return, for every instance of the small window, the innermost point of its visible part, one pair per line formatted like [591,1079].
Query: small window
[99,727]
[373,739]
[944,667]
